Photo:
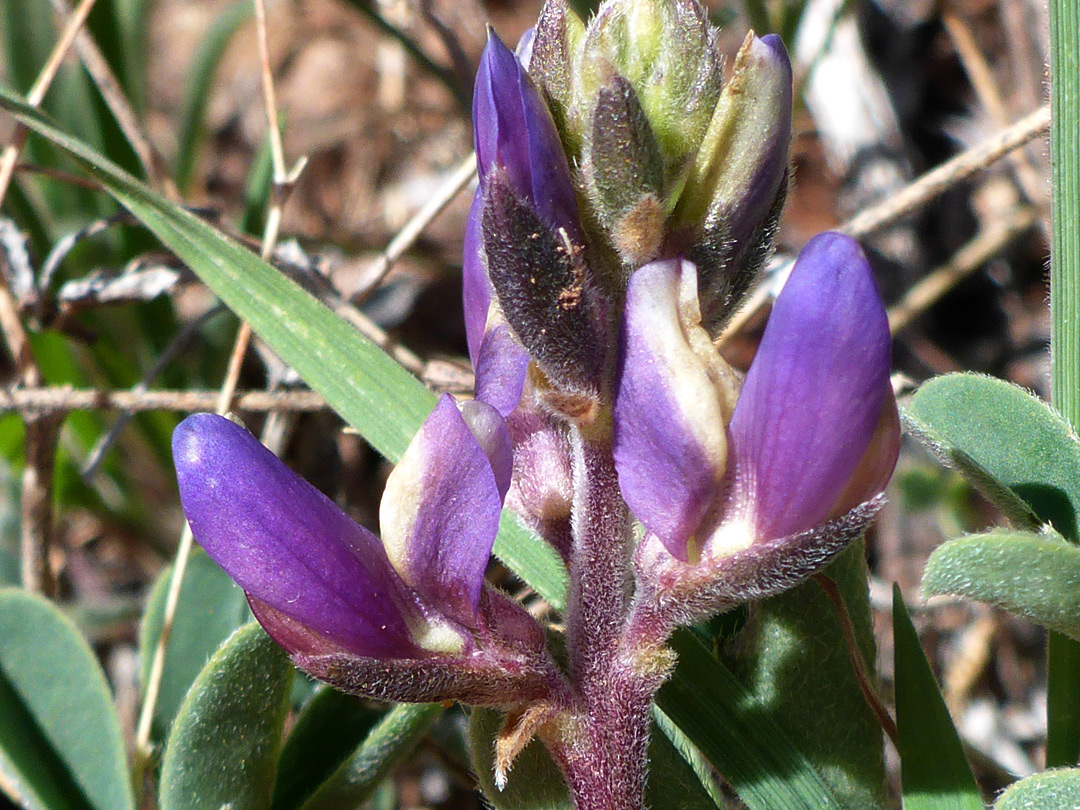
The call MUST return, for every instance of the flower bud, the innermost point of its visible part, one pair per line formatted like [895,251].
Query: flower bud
[666,50]
[555,45]
[624,173]
[807,448]
[738,179]
[524,233]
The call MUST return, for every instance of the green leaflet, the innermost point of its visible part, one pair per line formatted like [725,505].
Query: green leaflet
[60,742]
[1050,790]
[1032,575]
[211,608]
[224,745]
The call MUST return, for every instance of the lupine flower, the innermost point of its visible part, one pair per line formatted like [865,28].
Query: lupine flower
[745,487]
[405,618]
[626,199]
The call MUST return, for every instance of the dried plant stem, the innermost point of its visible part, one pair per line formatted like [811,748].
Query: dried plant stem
[42,430]
[914,196]
[948,174]
[12,325]
[283,184]
[985,245]
[445,193]
[982,80]
[62,399]
[862,675]
[98,68]
[41,86]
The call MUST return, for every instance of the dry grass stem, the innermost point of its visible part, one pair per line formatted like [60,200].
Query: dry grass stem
[457,180]
[42,433]
[12,325]
[42,430]
[914,196]
[948,174]
[284,181]
[986,89]
[61,399]
[984,246]
[105,80]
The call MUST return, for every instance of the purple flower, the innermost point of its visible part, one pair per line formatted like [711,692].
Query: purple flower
[729,478]
[407,618]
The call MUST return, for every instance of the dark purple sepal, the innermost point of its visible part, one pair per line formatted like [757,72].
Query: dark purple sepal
[543,288]
[473,676]
[286,544]
[515,132]
[680,594]
[738,180]
[500,368]
[672,401]
[440,513]
[558,32]
[624,173]
[812,399]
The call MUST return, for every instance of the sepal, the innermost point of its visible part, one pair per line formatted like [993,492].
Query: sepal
[476,676]
[556,43]
[542,490]
[623,169]
[666,49]
[737,182]
[544,288]
[684,594]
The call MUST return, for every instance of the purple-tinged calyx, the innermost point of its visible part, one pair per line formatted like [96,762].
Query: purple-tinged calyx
[743,158]
[523,257]
[542,490]
[666,51]
[737,182]
[813,426]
